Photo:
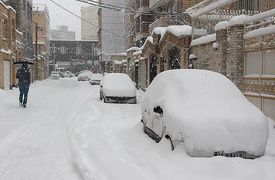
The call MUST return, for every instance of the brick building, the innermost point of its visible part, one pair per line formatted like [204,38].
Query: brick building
[41,24]
[7,46]
[23,10]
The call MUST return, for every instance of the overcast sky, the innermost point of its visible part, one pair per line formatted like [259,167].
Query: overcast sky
[60,17]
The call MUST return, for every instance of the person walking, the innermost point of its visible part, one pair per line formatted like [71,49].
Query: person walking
[24,79]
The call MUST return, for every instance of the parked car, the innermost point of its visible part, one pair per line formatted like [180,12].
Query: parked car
[96,79]
[205,111]
[54,75]
[84,76]
[118,88]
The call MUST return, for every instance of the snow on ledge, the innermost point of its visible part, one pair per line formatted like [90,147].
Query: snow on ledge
[9,52]
[204,40]
[133,49]
[222,25]
[238,20]
[260,32]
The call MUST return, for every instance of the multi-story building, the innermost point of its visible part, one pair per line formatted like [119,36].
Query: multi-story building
[23,10]
[143,18]
[41,40]
[7,45]
[62,33]
[113,28]
[88,23]
[74,55]
[129,24]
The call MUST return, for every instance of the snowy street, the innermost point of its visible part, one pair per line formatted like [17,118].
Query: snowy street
[67,133]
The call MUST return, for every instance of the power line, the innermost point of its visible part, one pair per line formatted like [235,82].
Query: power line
[83,19]
[98,5]
[105,5]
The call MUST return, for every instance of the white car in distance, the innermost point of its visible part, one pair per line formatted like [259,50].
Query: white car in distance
[55,75]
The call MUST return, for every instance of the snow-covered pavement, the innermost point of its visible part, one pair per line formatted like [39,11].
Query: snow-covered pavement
[67,133]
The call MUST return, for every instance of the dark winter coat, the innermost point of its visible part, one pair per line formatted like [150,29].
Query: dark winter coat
[24,76]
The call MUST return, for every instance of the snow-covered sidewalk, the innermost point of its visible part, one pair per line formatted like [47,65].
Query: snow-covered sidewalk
[34,141]
[68,133]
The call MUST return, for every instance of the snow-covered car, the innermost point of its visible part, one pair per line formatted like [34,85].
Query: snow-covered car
[118,88]
[84,76]
[54,75]
[205,111]
[96,79]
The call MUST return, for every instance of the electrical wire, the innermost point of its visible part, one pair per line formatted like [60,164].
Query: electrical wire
[84,19]
[105,5]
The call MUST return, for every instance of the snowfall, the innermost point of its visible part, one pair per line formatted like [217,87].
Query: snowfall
[67,133]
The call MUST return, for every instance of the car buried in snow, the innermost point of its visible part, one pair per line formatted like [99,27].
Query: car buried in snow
[84,76]
[96,79]
[117,88]
[206,112]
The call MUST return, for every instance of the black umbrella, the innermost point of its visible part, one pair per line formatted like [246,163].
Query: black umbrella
[23,62]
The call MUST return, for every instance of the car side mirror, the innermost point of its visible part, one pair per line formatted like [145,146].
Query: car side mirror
[158,110]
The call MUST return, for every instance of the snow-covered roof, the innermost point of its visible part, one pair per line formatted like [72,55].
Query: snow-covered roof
[7,7]
[260,16]
[260,32]
[158,30]
[207,6]
[150,39]
[178,30]
[204,39]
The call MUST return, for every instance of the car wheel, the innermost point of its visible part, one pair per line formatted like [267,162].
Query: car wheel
[104,100]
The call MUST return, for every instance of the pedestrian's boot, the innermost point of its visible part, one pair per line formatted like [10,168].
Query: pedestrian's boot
[24,106]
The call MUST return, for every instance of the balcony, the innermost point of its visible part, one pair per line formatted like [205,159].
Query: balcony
[143,32]
[157,3]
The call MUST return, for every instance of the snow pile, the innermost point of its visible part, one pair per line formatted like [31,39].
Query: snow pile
[222,25]
[118,85]
[260,32]
[204,40]
[208,112]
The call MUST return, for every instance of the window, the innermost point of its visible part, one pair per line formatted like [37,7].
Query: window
[78,50]
[63,50]
[5,28]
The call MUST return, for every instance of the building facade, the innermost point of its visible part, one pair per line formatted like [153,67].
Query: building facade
[7,45]
[41,40]
[74,55]
[23,10]
[89,29]
[113,28]
[62,33]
